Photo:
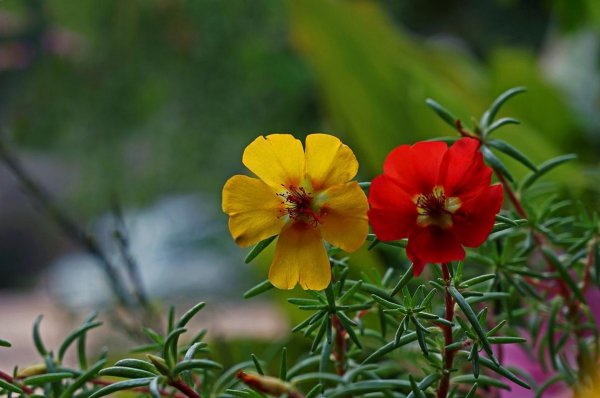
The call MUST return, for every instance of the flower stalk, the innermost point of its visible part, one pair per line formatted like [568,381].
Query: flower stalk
[340,347]
[448,353]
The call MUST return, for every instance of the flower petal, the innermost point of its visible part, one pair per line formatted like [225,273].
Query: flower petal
[300,257]
[416,168]
[474,221]
[433,245]
[328,161]
[464,173]
[253,208]
[393,214]
[344,216]
[276,159]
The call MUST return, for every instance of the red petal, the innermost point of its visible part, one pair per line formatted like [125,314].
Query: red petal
[433,245]
[463,172]
[416,168]
[393,214]
[474,220]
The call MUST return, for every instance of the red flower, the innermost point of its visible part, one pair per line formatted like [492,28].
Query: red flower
[439,198]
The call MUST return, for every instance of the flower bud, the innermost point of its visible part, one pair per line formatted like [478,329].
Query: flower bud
[32,370]
[267,384]
[159,363]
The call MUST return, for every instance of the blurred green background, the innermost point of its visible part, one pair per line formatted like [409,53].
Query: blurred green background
[161,96]
[146,99]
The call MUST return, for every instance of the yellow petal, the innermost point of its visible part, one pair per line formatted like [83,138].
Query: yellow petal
[253,208]
[328,161]
[276,159]
[343,216]
[300,257]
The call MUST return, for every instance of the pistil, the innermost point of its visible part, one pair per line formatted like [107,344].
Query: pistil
[298,204]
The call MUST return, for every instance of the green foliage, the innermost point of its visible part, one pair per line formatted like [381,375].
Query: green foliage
[391,334]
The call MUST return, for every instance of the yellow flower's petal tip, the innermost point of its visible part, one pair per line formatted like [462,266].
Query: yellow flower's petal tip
[281,283]
[317,281]
[300,257]
[329,161]
[283,273]
[276,159]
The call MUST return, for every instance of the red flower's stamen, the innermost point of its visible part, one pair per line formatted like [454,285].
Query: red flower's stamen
[298,205]
[432,204]
[435,209]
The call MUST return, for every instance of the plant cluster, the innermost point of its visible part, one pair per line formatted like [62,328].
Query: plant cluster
[498,278]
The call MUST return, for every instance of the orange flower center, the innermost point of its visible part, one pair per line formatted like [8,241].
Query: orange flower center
[298,205]
[435,208]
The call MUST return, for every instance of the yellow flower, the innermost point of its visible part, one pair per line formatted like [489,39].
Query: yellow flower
[305,196]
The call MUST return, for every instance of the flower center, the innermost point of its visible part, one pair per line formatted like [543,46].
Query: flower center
[435,208]
[298,205]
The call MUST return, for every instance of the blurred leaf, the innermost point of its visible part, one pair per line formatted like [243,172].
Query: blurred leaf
[442,112]
[496,163]
[122,385]
[262,287]
[468,311]
[10,387]
[490,114]
[514,153]
[74,336]
[545,168]
[185,318]
[260,246]
[37,339]
[129,373]
[46,378]
[196,364]
[136,363]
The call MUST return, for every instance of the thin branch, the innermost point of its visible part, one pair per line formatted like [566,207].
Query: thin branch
[131,265]
[537,237]
[69,227]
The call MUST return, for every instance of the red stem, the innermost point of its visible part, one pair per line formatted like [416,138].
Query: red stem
[339,351]
[12,380]
[512,196]
[591,258]
[573,315]
[448,354]
[537,237]
[184,388]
